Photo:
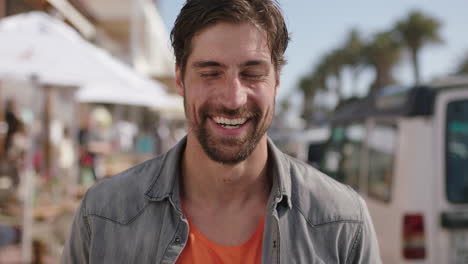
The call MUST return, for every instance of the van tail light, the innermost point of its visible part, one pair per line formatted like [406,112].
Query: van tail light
[413,237]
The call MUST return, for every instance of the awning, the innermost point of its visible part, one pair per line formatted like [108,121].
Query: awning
[35,44]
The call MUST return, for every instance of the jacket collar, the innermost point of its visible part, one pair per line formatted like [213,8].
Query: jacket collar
[281,172]
[165,183]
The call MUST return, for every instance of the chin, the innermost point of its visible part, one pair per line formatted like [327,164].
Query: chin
[229,154]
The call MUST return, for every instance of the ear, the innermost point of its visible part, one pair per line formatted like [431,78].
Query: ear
[179,81]
[277,82]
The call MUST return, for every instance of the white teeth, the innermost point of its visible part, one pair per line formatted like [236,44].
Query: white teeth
[235,122]
[230,127]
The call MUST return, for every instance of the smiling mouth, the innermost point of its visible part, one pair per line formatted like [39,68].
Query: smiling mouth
[229,123]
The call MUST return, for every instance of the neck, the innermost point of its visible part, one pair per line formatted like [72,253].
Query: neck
[217,185]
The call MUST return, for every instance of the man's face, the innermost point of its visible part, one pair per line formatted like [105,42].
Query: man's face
[229,90]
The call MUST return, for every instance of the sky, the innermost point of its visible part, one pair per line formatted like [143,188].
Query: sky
[317,27]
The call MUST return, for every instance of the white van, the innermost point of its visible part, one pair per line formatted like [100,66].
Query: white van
[405,150]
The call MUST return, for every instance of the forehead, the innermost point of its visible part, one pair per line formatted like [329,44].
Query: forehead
[230,43]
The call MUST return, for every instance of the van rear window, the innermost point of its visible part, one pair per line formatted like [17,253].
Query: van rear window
[457,152]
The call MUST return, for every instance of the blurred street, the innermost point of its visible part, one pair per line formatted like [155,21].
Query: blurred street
[73,112]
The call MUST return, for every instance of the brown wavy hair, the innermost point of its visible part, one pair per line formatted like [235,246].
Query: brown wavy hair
[197,15]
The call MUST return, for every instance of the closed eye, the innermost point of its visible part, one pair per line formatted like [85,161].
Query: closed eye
[252,75]
[210,74]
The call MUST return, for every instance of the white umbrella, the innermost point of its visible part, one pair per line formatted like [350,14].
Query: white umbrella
[37,44]
[119,94]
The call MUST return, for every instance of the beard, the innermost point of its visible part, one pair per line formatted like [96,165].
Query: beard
[230,150]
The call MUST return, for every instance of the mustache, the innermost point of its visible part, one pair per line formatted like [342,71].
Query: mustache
[245,112]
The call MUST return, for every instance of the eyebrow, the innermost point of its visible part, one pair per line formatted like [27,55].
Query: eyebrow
[254,63]
[203,64]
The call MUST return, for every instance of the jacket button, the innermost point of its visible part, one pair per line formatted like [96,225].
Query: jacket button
[177,240]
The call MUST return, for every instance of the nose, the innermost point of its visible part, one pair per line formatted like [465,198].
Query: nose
[234,93]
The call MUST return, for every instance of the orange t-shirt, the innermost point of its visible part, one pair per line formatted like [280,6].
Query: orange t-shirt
[200,250]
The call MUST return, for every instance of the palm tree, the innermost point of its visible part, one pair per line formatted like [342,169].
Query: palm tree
[383,52]
[463,66]
[285,104]
[353,49]
[330,69]
[416,31]
[309,86]
[308,90]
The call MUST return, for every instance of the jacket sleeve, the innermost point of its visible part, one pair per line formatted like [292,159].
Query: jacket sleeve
[365,246]
[76,250]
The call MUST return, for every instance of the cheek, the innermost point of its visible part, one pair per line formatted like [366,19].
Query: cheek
[266,97]
[194,100]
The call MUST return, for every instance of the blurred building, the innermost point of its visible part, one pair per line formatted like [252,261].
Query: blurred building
[131,30]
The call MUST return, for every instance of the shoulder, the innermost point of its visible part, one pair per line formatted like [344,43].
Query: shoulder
[336,210]
[122,197]
[320,198]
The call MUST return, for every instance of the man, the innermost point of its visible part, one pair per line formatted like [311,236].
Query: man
[224,194]
[12,122]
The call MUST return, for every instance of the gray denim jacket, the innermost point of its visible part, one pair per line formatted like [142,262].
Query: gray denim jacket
[136,217]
